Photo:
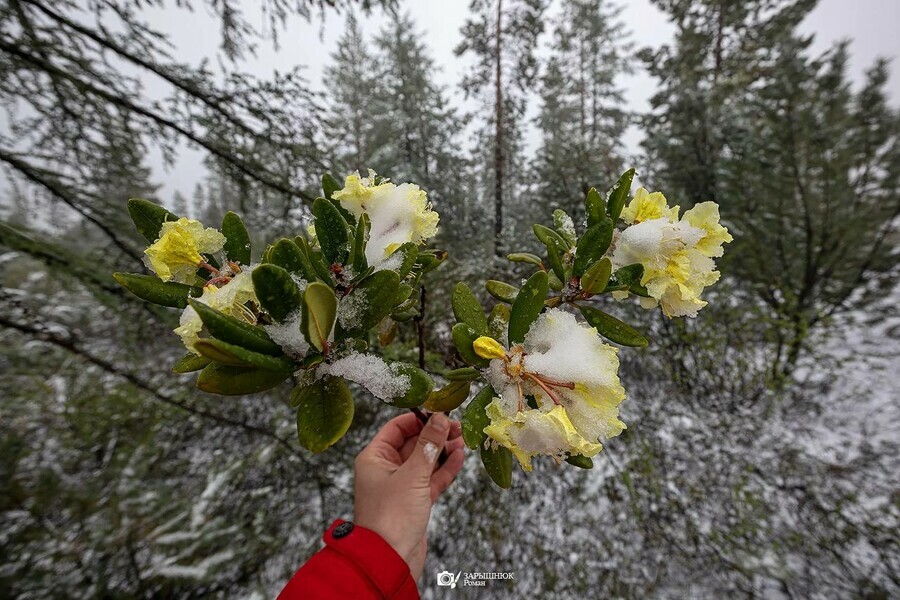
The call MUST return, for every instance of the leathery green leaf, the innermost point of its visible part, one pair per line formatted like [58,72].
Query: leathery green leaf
[319,311]
[463,338]
[467,309]
[234,331]
[448,397]
[227,380]
[332,230]
[528,305]
[230,354]
[276,291]
[148,217]
[498,464]
[324,412]
[612,328]
[237,238]
[475,419]
[151,289]
[618,194]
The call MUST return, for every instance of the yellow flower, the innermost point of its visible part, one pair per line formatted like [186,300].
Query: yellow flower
[397,213]
[534,432]
[676,256]
[178,251]
[706,216]
[231,299]
[646,207]
[488,347]
[573,377]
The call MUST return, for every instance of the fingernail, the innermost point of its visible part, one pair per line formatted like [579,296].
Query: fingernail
[439,422]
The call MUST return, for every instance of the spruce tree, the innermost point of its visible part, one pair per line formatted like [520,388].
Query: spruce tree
[582,117]
[501,37]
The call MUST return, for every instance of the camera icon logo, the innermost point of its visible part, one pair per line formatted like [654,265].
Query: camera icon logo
[448,579]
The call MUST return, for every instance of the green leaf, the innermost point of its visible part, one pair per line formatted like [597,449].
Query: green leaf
[189,363]
[553,282]
[357,258]
[429,260]
[321,266]
[498,321]
[276,291]
[498,464]
[332,231]
[448,397]
[467,309]
[330,185]
[409,252]
[403,294]
[618,194]
[319,311]
[237,239]
[372,300]
[234,331]
[230,354]
[555,260]
[501,291]
[612,328]
[597,276]
[291,257]
[549,237]
[463,374]
[528,305]
[475,419]
[420,386]
[594,207]
[629,278]
[324,412]
[582,462]
[402,316]
[592,245]
[564,226]
[227,380]
[148,217]
[151,289]
[463,338]
[526,257]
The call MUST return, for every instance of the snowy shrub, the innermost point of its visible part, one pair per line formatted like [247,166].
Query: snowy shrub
[309,309]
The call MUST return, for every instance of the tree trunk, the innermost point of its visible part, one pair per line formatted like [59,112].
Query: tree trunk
[498,140]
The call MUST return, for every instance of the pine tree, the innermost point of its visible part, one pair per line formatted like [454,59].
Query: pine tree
[501,37]
[353,91]
[582,117]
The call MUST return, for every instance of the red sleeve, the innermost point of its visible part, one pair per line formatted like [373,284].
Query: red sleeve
[355,563]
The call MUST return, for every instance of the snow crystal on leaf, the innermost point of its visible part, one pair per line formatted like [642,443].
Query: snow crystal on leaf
[288,335]
[372,372]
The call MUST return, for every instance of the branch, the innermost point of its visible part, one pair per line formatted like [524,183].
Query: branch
[70,345]
[251,171]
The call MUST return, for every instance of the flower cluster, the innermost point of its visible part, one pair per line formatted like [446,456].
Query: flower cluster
[677,255]
[397,213]
[573,380]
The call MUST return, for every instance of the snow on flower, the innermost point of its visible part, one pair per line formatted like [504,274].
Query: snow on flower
[177,253]
[397,213]
[573,377]
[232,299]
[677,255]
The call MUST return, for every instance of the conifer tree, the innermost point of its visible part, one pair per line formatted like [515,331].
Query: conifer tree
[501,37]
[582,117]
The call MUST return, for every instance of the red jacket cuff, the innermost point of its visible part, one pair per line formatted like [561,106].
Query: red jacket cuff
[356,562]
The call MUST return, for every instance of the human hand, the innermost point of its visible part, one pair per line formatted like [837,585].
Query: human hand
[397,480]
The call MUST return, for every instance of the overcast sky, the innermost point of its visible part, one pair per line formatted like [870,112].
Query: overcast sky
[870,24]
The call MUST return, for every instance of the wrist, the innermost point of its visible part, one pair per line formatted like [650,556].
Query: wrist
[390,533]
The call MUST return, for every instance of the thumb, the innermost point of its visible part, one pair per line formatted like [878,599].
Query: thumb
[431,441]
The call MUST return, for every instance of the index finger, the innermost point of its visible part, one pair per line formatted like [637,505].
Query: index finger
[396,431]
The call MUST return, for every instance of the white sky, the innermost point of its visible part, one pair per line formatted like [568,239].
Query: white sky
[870,24]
